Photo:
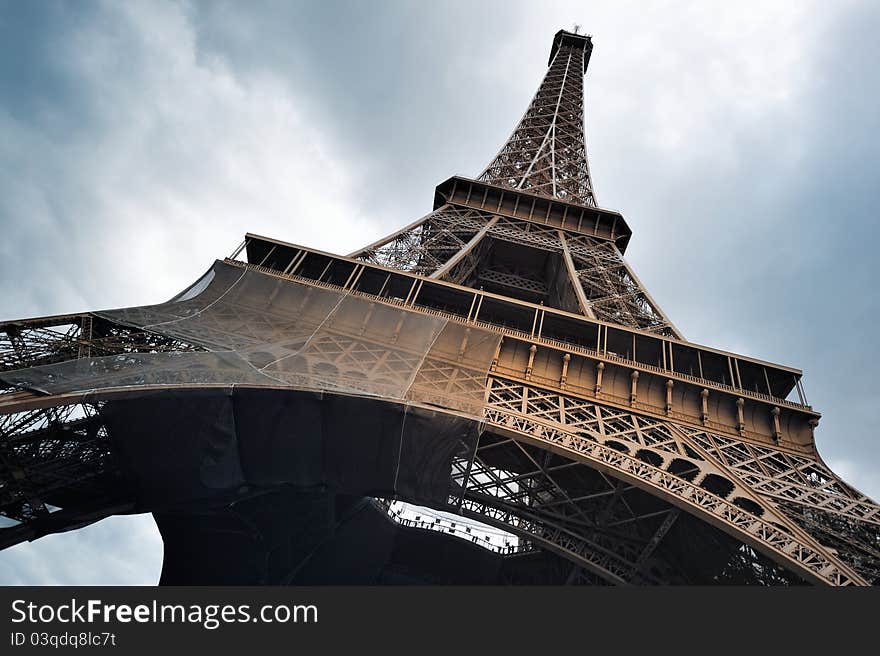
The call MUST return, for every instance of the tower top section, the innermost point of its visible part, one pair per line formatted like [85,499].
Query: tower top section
[564,39]
[546,155]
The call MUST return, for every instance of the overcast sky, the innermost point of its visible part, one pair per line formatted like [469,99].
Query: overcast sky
[139,141]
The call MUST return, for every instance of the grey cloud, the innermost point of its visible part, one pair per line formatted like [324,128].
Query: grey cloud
[139,142]
[125,550]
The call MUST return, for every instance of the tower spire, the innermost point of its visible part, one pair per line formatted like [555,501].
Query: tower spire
[546,153]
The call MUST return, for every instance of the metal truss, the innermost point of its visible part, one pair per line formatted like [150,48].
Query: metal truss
[611,531]
[655,455]
[513,279]
[527,234]
[425,246]
[52,456]
[60,455]
[475,533]
[613,291]
[562,506]
[808,493]
[35,342]
[455,244]
[855,543]
[788,477]
[546,154]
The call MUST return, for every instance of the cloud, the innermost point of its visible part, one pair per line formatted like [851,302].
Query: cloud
[122,550]
[175,159]
[140,141]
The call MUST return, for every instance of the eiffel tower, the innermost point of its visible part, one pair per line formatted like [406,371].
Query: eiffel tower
[496,365]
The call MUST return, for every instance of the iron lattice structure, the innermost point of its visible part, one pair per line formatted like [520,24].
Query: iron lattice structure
[547,153]
[497,360]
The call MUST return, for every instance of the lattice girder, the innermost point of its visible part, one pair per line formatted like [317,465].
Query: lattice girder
[537,494]
[776,536]
[546,154]
[35,342]
[49,455]
[427,245]
[454,243]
